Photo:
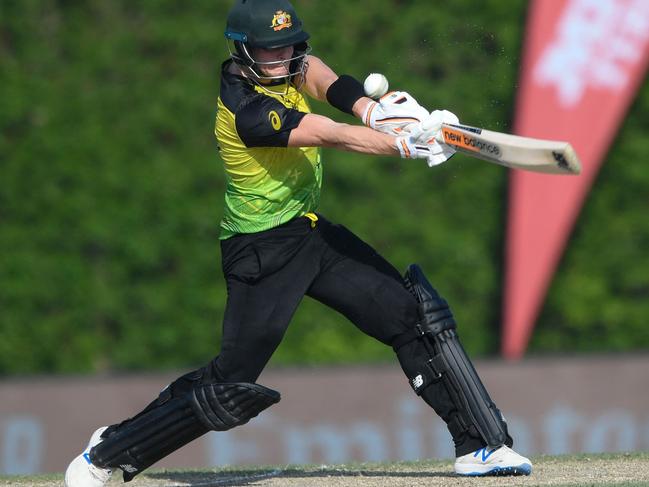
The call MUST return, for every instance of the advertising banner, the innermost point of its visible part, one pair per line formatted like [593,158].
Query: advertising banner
[339,414]
[582,64]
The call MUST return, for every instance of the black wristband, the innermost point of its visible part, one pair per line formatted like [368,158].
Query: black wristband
[344,92]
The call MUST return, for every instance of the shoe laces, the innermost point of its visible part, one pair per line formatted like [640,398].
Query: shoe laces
[101,474]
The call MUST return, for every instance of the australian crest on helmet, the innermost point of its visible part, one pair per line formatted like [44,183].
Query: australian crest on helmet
[281,20]
[266,24]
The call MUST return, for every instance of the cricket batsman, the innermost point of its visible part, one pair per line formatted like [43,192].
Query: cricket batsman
[276,249]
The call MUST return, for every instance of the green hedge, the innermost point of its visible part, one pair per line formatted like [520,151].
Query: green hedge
[111,186]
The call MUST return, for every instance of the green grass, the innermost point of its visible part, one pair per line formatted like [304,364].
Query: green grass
[583,470]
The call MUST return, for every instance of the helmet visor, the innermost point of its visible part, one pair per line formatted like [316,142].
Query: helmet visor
[294,65]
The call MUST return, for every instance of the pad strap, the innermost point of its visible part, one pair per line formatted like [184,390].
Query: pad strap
[435,317]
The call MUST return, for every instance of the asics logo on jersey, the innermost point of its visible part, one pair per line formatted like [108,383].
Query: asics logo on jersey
[275,121]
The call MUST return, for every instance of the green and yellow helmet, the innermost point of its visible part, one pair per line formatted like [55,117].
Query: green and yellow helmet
[266,24]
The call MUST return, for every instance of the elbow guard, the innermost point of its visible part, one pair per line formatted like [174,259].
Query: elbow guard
[344,92]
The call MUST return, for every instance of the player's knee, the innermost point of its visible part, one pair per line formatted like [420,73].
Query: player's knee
[431,313]
[236,365]
[221,407]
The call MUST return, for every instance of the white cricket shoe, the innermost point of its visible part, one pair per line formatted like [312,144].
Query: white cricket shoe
[493,461]
[82,473]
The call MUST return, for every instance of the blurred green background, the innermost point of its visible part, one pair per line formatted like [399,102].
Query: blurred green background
[111,186]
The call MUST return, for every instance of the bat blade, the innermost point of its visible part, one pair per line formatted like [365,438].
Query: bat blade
[526,153]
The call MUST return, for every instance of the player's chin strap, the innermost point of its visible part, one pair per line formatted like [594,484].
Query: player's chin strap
[447,363]
[178,416]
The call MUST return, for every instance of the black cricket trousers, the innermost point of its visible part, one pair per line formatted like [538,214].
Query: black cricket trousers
[267,275]
[269,272]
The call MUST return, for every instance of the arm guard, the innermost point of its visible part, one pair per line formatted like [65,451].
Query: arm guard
[344,92]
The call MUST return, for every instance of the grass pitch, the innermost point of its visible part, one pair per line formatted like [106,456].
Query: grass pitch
[574,471]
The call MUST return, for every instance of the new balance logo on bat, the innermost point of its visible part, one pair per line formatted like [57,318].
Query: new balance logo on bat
[458,139]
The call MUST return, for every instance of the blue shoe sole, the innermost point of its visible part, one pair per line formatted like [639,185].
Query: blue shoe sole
[524,469]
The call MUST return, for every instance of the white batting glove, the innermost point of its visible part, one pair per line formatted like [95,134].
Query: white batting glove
[441,152]
[425,140]
[394,113]
[445,116]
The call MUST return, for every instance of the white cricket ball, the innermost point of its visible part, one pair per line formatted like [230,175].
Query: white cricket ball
[376,85]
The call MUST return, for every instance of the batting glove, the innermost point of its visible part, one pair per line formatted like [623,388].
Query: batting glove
[425,140]
[394,113]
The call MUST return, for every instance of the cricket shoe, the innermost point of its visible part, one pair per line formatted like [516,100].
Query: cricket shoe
[82,473]
[493,461]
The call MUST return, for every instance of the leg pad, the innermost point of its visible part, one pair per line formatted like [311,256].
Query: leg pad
[447,363]
[172,422]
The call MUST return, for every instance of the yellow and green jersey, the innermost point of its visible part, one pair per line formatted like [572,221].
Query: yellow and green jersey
[267,182]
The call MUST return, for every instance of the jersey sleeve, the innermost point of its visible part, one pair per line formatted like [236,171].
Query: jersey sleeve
[265,122]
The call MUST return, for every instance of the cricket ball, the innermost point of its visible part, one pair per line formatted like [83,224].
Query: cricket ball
[376,85]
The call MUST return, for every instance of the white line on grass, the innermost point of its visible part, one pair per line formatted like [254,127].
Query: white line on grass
[212,483]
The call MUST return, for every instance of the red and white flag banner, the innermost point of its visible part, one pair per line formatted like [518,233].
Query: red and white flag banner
[582,64]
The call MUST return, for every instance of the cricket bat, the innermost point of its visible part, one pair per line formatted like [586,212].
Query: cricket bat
[527,153]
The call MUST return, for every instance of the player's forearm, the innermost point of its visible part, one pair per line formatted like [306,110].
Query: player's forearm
[356,138]
[318,131]
[360,106]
